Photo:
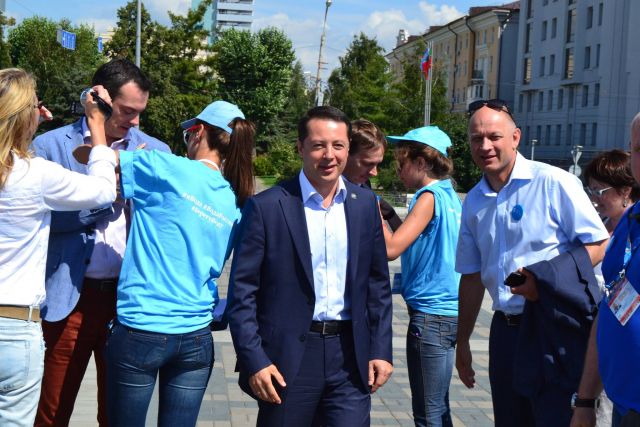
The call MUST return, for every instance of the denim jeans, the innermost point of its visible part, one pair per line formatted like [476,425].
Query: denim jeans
[431,344]
[134,360]
[21,367]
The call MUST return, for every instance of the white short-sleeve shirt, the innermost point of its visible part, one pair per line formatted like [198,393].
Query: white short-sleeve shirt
[540,213]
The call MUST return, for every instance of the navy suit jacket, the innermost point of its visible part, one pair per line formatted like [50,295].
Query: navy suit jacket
[272,297]
[72,234]
[553,335]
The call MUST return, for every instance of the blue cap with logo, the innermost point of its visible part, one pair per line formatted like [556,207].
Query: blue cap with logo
[428,135]
[218,113]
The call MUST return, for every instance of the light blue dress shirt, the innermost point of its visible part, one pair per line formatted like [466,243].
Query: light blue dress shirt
[328,241]
[540,213]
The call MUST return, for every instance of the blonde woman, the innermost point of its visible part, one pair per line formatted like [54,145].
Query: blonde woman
[30,188]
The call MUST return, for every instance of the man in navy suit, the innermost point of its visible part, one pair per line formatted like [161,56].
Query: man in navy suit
[310,301]
[85,252]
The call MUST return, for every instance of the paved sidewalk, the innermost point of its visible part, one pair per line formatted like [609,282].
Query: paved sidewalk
[225,405]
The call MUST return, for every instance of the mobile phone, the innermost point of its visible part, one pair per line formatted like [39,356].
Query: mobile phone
[102,105]
[515,279]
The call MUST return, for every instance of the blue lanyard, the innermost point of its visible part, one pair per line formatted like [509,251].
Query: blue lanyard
[629,250]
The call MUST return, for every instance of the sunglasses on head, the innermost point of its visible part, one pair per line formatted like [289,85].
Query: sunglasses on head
[494,104]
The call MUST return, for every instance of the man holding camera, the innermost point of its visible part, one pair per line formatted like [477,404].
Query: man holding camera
[534,220]
[85,252]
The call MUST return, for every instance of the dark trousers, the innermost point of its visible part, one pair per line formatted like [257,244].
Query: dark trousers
[69,346]
[327,390]
[549,408]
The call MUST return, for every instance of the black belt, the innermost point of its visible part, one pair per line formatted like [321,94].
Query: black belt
[104,285]
[511,319]
[330,327]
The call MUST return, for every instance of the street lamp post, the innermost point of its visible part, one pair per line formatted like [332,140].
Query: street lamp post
[138,30]
[533,148]
[322,40]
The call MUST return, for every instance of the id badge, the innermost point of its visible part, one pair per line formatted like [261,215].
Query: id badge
[623,301]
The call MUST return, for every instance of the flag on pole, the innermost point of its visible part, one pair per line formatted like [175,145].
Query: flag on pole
[425,63]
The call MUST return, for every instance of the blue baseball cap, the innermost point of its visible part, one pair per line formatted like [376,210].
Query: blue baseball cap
[218,113]
[428,135]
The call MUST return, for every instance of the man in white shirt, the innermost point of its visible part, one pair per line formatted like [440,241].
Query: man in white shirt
[520,213]
[85,252]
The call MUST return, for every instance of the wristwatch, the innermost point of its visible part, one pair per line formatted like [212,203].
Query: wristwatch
[576,402]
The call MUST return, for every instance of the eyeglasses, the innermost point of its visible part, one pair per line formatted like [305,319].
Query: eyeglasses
[187,132]
[596,193]
[494,104]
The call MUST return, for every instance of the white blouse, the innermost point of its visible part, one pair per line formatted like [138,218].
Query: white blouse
[34,188]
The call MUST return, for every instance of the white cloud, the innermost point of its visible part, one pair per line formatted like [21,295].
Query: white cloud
[384,25]
[305,36]
[158,9]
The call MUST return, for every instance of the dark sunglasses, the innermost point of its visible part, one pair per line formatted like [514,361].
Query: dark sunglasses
[494,104]
[186,134]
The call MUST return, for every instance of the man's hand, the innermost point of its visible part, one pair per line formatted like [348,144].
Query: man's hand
[583,417]
[463,364]
[529,289]
[379,373]
[262,386]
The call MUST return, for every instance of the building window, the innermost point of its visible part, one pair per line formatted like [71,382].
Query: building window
[543,64]
[560,98]
[552,64]
[543,36]
[540,100]
[600,11]
[583,134]
[550,100]
[587,57]
[493,33]
[585,95]
[529,9]
[490,63]
[571,95]
[594,133]
[558,133]
[526,135]
[597,55]
[529,101]
[528,39]
[526,78]
[554,28]
[538,132]
[571,25]
[590,17]
[547,135]
[596,94]
[569,136]
[568,63]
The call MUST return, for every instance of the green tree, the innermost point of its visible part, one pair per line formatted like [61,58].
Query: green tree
[360,86]
[5,57]
[176,59]
[254,71]
[61,73]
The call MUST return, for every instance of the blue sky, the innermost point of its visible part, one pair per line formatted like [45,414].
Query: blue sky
[301,20]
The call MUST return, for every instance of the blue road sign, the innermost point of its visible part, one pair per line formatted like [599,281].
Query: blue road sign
[100,44]
[66,39]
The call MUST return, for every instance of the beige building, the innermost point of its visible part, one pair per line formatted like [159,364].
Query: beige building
[476,52]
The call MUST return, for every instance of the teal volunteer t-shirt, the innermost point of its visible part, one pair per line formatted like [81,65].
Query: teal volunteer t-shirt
[184,215]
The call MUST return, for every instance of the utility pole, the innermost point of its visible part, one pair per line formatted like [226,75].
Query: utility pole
[138,25]
[320,61]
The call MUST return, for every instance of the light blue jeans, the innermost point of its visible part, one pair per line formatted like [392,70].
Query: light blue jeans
[21,368]
[431,344]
